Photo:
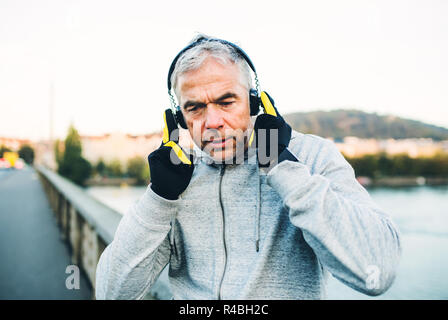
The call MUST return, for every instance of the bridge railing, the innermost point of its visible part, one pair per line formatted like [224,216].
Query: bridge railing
[87,226]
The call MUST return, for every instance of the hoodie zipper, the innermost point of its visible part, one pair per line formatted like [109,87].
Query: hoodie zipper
[223,232]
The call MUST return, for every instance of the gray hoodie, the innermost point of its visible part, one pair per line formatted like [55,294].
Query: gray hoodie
[236,233]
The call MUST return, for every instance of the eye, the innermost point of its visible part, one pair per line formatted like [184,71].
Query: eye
[194,108]
[226,103]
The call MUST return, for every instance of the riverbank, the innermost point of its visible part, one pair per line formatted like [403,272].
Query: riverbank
[402,181]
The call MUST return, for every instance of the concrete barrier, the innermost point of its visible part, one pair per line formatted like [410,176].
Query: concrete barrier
[87,226]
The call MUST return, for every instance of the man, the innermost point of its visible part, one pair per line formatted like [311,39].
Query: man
[269,227]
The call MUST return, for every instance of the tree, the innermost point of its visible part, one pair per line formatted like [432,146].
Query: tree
[114,168]
[139,169]
[366,165]
[385,164]
[58,151]
[4,149]
[378,165]
[26,152]
[71,164]
[100,167]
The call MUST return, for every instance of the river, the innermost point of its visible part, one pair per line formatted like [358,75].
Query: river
[420,213]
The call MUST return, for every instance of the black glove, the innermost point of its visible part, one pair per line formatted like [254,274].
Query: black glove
[170,167]
[265,139]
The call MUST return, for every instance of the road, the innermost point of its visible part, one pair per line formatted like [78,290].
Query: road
[33,258]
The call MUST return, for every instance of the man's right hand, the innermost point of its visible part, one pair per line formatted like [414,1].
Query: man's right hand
[170,167]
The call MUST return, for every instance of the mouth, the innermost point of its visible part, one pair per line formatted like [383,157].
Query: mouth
[219,143]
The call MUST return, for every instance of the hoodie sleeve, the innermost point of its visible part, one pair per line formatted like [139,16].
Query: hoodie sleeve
[351,236]
[132,262]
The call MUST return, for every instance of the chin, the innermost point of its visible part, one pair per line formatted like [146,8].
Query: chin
[223,156]
[226,155]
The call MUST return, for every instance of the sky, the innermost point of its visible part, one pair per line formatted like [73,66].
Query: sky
[106,61]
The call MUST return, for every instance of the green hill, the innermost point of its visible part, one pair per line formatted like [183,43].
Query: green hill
[341,123]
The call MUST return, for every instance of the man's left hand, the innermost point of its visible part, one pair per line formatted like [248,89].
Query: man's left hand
[272,135]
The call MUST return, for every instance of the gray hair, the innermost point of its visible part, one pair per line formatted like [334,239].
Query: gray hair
[193,58]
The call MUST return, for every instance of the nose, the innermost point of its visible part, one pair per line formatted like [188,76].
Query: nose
[213,118]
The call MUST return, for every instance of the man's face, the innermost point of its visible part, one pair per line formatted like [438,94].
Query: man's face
[215,105]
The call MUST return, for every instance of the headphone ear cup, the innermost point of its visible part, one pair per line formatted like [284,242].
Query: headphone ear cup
[254,101]
[180,118]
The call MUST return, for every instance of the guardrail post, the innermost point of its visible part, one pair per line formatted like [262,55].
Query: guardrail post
[89,251]
[75,235]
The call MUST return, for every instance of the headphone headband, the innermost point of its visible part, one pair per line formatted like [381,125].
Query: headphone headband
[200,40]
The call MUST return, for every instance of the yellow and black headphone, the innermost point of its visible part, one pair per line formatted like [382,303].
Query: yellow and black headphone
[254,97]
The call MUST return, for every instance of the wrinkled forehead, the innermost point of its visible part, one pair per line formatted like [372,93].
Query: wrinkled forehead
[211,75]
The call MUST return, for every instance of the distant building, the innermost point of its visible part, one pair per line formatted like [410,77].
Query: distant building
[118,146]
[356,147]
[13,144]
[124,146]
[114,146]
[417,147]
